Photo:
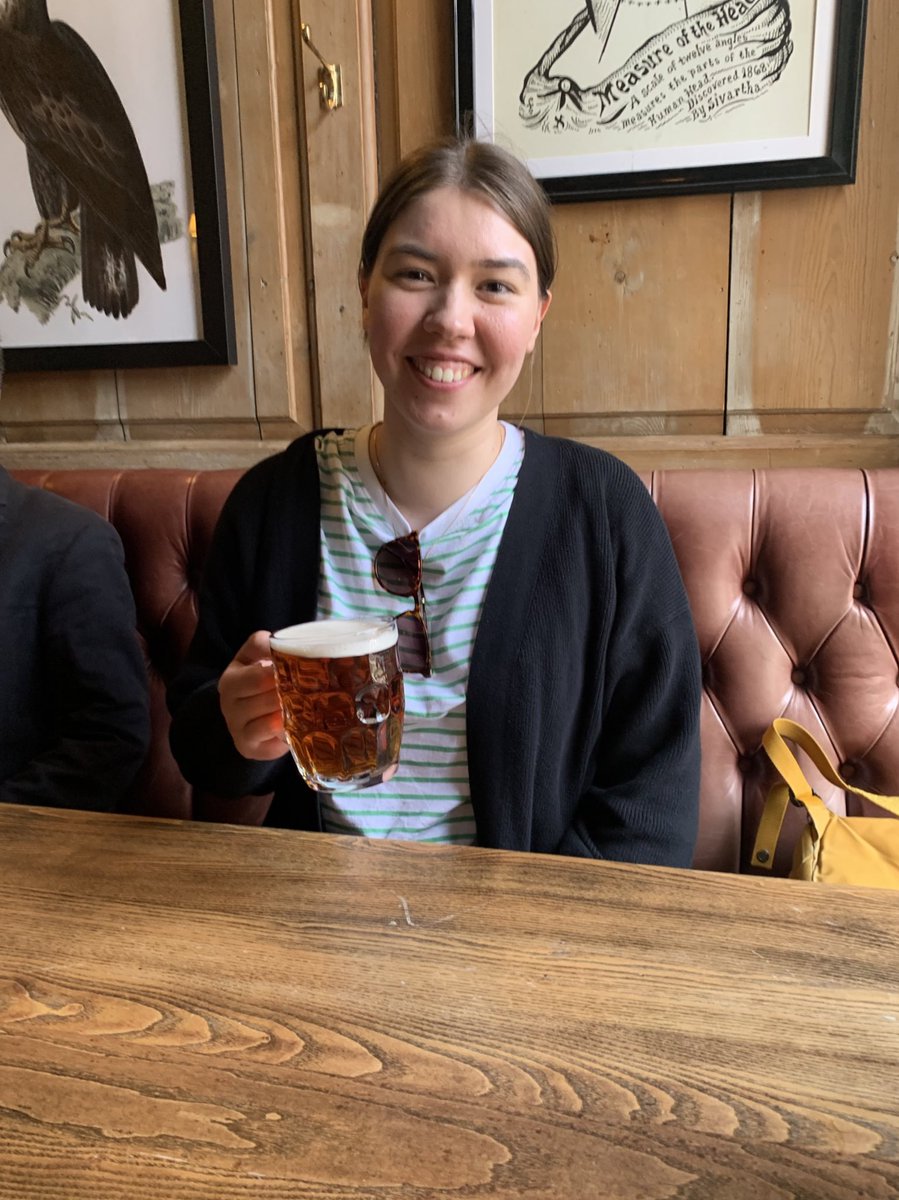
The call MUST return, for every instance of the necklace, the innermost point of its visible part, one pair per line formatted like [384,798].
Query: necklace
[374,438]
[375,459]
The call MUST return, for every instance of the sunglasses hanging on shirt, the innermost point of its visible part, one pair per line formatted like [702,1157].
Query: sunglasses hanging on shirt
[397,568]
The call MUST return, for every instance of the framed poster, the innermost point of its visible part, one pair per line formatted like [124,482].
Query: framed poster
[113,222]
[618,98]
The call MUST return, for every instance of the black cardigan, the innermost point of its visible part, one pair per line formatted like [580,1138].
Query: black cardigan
[583,693]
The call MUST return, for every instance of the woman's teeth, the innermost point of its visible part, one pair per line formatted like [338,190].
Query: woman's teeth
[446,374]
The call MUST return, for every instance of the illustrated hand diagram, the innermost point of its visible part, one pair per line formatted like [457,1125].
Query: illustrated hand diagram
[601,14]
[696,69]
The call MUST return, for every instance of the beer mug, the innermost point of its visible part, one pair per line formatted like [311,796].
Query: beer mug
[341,693]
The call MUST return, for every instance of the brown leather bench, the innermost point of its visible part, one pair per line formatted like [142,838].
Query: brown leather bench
[793,577]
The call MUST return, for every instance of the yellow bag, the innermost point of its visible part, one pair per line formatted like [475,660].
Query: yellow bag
[831,849]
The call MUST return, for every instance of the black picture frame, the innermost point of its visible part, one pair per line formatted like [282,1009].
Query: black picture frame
[837,166]
[217,344]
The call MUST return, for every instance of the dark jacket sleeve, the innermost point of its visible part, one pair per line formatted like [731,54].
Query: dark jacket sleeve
[88,702]
[641,798]
[199,737]
[261,573]
[640,801]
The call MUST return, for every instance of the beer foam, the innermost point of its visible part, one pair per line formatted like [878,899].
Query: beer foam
[335,639]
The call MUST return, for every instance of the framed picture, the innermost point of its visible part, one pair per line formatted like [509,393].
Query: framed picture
[617,98]
[113,222]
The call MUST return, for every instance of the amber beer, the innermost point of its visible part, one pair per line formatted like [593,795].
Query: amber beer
[341,693]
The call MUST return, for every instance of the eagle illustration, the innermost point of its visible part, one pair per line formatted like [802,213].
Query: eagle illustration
[82,155]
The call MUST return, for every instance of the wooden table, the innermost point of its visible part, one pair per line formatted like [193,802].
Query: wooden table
[207,1011]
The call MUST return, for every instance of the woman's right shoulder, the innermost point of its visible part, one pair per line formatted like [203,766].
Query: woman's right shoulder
[291,470]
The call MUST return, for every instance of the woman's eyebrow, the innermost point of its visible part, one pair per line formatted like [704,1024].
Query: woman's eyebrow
[413,250]
[505,264]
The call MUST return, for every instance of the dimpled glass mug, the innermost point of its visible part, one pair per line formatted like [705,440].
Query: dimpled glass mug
[341,694]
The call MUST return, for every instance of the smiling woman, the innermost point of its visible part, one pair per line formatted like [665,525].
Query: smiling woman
[552,675]
[451,307]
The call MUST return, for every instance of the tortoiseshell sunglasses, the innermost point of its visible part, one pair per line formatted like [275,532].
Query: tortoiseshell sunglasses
[397,568]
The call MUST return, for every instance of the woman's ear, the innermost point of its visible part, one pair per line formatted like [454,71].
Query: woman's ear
[542,309]
[363,281]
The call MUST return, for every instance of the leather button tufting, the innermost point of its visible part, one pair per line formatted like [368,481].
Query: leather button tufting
[750,587]
[744,764]
[858,592]
[798,676]
[848,770]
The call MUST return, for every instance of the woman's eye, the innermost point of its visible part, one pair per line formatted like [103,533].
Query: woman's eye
[414,275]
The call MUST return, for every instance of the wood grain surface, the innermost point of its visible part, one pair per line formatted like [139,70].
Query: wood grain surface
[222,1012]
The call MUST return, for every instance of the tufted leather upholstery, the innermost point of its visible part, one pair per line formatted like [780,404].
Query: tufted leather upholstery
[793,578]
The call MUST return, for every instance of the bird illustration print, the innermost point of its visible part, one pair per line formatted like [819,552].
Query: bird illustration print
[85,166]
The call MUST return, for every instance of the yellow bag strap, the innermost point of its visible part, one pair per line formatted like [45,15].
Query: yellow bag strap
[770,826]
[782,757]
[796,786]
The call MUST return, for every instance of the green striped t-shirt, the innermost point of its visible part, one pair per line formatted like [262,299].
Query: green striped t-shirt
[429,797]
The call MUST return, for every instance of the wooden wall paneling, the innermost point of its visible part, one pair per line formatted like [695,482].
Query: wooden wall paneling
[386,76]
[414,44]
[70,406]
[371,151]
[341,178]
[775,450]
[635,340]
[368,105]
[746,213]
[270,123]
[208,454]
[891,385]
[425,56]
[811,331]
[210,402]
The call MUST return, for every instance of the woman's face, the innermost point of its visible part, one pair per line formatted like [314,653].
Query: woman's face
[451,308]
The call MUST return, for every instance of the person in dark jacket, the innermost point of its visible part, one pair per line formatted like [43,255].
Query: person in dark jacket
[560,709]
[74,707]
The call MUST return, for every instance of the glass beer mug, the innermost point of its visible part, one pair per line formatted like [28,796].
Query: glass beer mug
[341,693]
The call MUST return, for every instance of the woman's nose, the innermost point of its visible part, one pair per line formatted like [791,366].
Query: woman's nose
[450,313]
